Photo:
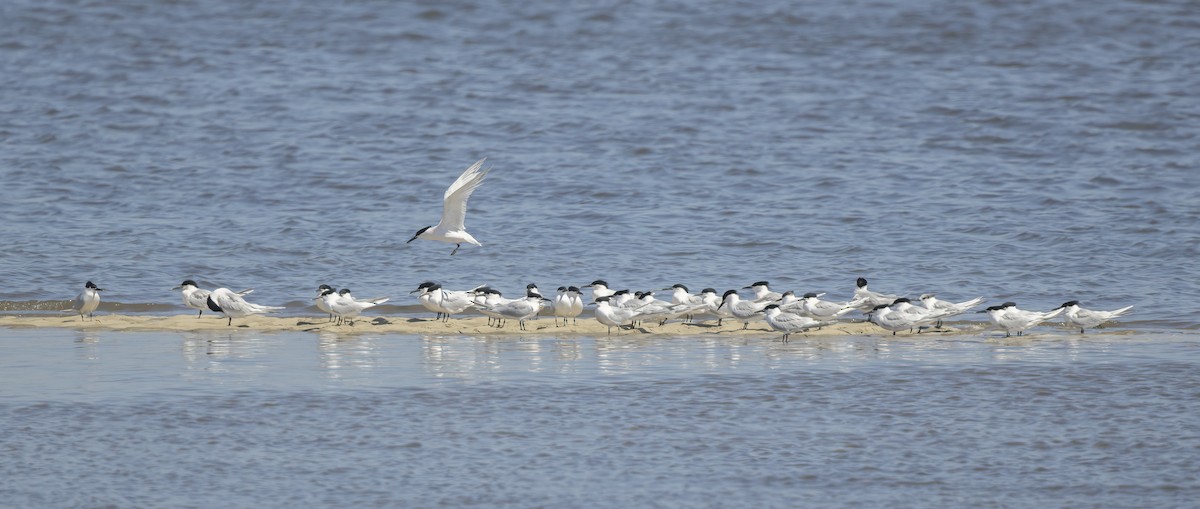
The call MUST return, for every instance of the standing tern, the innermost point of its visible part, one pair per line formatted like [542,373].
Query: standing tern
[196,298]
[232,305]
[947,308]
[347,308]
[567,304]
[1016,320]
[867,300]
[87,301]
[520,309]
[320,302]
[740,309]
[452,227]
[613,316]
[763,293]
[425,297]
[813,307]
[599,289]
[884,315]
[1088,318]
[787,323]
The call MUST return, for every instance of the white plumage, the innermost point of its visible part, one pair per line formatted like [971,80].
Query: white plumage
[452,227]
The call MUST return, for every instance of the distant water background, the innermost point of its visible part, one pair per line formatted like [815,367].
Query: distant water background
[1036,151]
[1029,151]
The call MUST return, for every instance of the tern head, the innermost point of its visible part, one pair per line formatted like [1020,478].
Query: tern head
[677,285]
[93,286]
[769,307]
[877,308]
[901,299]
[323,288]
[325,292]
[620,292]
[601,299]
[562,289]
[862,282]
[811,295]
[433,287]
[573,289]
[709,290]
[344,292]
[1068,304]
[421,287]
[926,296]
[418,234]
[756,283]
[598,282]
[185,284]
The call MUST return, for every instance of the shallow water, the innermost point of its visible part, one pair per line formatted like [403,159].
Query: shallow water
[1037,152]
[273,420]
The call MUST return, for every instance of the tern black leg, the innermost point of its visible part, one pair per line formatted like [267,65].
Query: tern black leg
[455,249]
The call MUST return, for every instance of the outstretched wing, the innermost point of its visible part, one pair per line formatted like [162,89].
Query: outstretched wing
[454,203]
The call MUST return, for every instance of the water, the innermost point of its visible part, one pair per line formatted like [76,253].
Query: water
[1037,151]
[275,420]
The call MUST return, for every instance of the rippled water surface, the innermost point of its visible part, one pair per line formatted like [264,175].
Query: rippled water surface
[247,419]
[1038,151]
[1035,151]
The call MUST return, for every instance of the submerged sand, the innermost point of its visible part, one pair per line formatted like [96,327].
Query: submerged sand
[475,325]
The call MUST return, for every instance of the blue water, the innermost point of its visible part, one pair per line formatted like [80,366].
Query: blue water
[1037,152]
[107,419]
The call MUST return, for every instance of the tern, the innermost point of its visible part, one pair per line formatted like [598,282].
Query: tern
[813,307]
[425,297]
[948,309]
[787,323]
[681,295]
[763,293]
[567,304]
[742,310]
[867,300]
[450,302]
[87,301]
[1087,318]
[884,315]
[520,309]
[599,289]
[347,308]
[452,227]
[1017,320]
[612,316]
[321,303]
[713,305]
[195,298]
[232,305]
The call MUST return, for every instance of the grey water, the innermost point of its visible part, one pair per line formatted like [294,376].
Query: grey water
[107,419]
[1038,151]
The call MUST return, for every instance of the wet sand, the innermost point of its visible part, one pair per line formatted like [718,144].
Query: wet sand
[407,325]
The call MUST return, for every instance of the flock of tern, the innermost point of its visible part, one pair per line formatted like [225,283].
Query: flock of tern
[783,312]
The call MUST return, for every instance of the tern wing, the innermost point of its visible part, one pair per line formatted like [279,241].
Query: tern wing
[454,203]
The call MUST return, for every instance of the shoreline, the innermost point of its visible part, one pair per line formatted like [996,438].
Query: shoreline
[472,325]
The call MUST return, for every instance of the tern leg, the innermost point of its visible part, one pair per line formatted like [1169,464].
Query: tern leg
[201,313]
[455,249]
[230,322]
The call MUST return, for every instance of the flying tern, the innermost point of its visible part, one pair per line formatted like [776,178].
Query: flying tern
[452,227]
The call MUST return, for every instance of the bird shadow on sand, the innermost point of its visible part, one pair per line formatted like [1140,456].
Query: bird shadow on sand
[380,321]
